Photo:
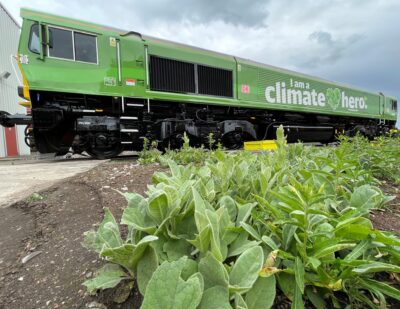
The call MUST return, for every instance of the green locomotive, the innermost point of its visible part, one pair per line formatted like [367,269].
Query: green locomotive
[101,90]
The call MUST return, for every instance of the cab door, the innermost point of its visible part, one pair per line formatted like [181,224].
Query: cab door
[130,50]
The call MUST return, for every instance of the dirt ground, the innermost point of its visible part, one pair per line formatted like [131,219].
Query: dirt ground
[388,218]
[53,229]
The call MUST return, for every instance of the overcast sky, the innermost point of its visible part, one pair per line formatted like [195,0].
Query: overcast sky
[351,41]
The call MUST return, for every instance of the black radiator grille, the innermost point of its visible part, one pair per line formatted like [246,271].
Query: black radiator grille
[171,75]
[179,76]
[214,81]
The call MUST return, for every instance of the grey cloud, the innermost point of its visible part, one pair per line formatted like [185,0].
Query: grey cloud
[322,37]
[236,12]
[330,50]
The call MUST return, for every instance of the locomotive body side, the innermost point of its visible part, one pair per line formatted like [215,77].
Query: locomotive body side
[101,90]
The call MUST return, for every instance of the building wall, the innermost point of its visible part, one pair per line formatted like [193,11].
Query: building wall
[9,36]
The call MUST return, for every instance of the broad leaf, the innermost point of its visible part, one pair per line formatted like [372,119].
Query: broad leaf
[146,266]
[366,197]
[202,240]
[176,248]
[241,244]
[138,218]
[239,302]
[246,268]
[134,199]
[213,272]
[189,293]
[244,212]
[230,205]
[128,255]
[216,297]
[106,236]
[287,284]
[158,206]
[215,238]
[107,277]
[262,294]
[166,289]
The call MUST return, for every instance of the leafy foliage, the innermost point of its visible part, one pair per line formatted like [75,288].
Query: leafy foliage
[380,156]
[230,232]
[150,153]
[185,155]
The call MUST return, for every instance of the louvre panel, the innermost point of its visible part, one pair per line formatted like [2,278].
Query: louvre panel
[214,81]
[171,75]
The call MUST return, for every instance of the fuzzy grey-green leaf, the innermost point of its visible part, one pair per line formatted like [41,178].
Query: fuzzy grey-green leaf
[213,271]
[216,297]
[166,289]
[262,294]
[146,266]
[246,268]
[107,277]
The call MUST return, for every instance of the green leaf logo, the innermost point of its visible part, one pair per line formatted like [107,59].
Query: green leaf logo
[333,97]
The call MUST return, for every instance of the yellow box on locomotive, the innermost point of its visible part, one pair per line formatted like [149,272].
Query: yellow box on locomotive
[261,145]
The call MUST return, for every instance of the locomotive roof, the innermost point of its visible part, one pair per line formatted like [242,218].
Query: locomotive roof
[99,29]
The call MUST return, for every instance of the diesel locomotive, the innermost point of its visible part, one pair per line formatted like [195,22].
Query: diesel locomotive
[101,90]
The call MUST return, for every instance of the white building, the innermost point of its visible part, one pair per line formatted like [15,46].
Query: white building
[11,139]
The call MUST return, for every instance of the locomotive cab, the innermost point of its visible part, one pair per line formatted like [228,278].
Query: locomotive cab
[74,91]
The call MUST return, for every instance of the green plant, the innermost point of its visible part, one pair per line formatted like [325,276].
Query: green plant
[211,141]
[150,153]
[187,154]
[35,197]
[230,232]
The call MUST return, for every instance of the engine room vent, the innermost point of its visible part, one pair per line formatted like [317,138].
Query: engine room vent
[171,75]
[214,81]
[178,76]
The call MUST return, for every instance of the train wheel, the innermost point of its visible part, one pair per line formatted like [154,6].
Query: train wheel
[235,140]
[104,146]
[102,153]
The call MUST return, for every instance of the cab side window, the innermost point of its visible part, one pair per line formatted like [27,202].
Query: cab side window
[61,45]
[72,45]
[394,105]
[85,47]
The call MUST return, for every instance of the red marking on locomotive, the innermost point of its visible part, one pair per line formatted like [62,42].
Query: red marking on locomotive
[245,89]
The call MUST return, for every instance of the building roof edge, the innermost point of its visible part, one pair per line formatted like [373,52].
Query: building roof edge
[9,14]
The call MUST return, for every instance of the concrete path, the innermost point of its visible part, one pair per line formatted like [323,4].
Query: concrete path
[19,179]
